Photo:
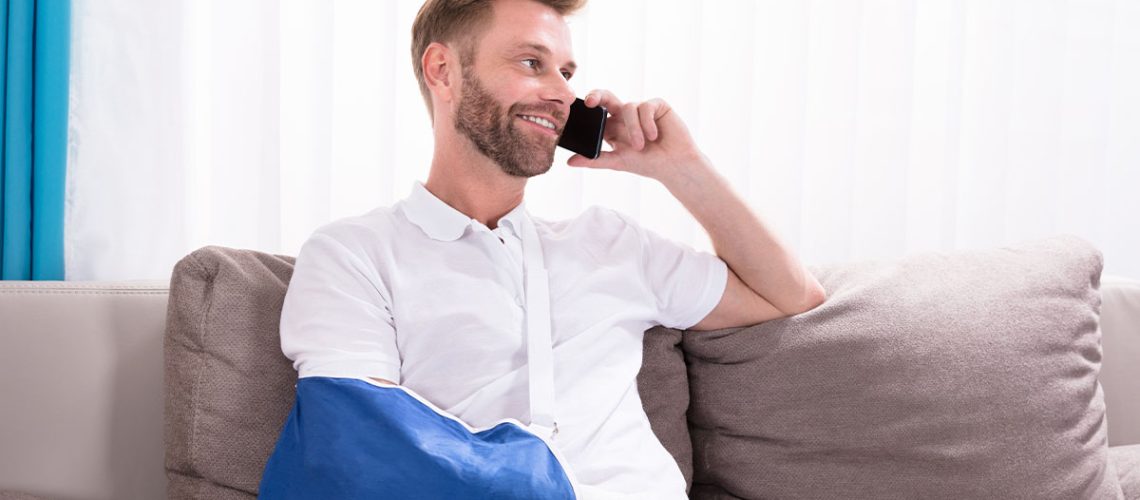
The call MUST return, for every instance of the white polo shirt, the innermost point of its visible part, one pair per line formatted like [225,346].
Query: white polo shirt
[420,294]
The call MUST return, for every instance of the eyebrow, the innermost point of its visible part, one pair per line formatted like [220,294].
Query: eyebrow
[538,47]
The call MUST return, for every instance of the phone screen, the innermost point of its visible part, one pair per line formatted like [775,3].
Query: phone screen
[583,131]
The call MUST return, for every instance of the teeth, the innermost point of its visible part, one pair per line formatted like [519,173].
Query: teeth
[541,121]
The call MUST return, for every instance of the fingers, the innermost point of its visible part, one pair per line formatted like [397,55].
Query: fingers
[602,97]
[607,159]
[642,121]
[632,126]
[648,113]
[636,123]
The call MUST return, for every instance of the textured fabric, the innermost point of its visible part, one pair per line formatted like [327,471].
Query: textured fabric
[425,296]
[664,387]
[1126,459]
[356,439]
[228,387]
[183,487]
[33,137]
[964,375]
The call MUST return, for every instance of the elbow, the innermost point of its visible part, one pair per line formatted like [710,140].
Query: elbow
[816,297]
[813,298]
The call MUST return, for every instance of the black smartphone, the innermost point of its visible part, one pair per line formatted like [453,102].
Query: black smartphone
[583,131]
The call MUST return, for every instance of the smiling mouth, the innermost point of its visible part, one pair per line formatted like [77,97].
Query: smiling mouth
[544,127]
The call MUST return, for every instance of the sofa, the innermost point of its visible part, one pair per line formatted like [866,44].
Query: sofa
[1009,372]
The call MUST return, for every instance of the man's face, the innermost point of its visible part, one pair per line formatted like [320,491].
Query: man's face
[510,80]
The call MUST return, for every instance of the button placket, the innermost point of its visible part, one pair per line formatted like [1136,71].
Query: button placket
[516,274]
[514,249]
[510,265]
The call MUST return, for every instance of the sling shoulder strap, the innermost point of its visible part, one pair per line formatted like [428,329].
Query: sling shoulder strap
[540,355]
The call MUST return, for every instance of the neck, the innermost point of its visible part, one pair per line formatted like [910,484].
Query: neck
[471,183]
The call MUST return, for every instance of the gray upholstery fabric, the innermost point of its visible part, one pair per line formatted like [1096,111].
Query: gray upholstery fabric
[963,375]
[1126,459]
[228,386]
[663,385]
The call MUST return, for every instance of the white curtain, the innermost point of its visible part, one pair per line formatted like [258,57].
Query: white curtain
[858,130]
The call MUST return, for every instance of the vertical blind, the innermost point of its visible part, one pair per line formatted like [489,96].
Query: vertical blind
[858,129]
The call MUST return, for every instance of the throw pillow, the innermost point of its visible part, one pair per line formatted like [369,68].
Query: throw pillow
[228,386]
[970,374]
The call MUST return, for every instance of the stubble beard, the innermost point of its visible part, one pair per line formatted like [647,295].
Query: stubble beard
[481,119]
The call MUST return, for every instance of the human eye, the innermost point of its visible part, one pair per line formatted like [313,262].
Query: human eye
[535,61]
[567,75]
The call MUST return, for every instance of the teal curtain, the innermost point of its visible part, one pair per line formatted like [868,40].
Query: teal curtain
[35,38]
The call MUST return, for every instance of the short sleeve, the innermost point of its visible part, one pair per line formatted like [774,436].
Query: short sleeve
[686,283]
[336,320]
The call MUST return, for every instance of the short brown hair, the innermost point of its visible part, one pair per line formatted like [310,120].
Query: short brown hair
[460,22]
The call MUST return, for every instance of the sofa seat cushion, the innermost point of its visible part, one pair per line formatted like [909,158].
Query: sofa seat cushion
[1126,460]
[16,495]
[970,374]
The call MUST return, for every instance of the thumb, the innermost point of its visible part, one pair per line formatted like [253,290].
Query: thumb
[607,159]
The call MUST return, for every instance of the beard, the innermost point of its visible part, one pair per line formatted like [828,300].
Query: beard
[481,119]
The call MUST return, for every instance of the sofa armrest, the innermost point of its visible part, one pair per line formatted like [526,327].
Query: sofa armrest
[1120,372]
[81,375]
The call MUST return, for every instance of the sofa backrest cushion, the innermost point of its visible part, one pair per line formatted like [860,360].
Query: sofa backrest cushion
[228,386]
[970,374]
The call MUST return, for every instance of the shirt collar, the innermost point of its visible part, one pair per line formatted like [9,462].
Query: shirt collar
[442,222]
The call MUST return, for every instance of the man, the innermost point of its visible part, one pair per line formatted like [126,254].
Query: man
[428,294]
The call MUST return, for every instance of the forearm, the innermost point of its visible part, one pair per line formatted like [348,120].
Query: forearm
[741,239]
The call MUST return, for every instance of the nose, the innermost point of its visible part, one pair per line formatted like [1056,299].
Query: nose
[560,92]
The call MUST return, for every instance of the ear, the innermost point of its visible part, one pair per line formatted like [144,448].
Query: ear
[440,65]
